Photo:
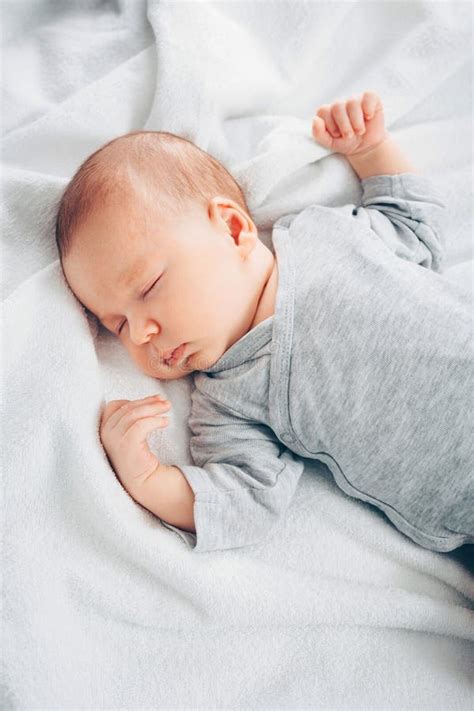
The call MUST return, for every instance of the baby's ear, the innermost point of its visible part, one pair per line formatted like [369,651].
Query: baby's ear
[220,208]
[235,218]
[246,243]
[235,226]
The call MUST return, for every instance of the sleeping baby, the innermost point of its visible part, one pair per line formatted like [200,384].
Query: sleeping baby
[345,345]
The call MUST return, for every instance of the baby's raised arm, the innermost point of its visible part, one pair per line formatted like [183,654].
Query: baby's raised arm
[356,128]
[403,208]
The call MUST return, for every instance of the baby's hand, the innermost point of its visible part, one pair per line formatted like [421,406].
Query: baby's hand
[351,127]
[123,429]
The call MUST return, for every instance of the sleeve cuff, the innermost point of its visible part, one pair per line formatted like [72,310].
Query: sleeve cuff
[203,539]
[238,517]
[188,537]
[401,185]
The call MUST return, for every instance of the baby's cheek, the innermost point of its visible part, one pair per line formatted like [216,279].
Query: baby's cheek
[151,361]
[146,361]
[150,364]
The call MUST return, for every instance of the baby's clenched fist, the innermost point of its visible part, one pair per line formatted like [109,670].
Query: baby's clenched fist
[124,427]
[351,127]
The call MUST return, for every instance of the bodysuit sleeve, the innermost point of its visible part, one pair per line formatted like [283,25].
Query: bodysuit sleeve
[243,481]
[407,212]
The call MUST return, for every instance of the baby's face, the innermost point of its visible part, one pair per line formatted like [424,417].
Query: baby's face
[159,284]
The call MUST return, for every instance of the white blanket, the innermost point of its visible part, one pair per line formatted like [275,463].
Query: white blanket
[103,606]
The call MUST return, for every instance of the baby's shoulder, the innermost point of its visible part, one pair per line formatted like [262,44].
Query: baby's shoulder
[314,213]
[239,398]
[212,395]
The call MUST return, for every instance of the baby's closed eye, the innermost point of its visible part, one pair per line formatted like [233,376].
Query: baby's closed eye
[145,293]
[152,286]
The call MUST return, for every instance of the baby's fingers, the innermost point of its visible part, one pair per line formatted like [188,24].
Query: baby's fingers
[370,103]
[141,428]
[136,417]
[341,118]
[320,133]
[324,112]
[110,409]
[133,412]
[356,116]
[133,450]
[115,410]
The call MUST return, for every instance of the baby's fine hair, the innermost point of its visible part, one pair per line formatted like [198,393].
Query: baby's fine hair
[170,169]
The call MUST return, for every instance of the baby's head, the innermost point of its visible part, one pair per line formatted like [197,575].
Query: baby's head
[155,240]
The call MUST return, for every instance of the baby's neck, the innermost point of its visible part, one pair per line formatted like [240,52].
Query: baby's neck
[266,302]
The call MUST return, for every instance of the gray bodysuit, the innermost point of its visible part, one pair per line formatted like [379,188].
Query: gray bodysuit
[366,365]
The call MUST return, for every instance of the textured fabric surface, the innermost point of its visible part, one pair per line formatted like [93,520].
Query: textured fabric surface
[103,606]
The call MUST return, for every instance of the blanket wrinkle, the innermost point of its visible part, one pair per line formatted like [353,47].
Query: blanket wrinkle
[104,606]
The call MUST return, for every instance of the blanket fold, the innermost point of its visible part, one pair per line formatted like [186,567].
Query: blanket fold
[104,606]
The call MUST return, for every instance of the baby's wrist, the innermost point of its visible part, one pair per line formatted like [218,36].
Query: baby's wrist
[167,494]
[385,158]
[367,151]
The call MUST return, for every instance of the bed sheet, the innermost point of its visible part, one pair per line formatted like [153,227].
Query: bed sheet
[103,606]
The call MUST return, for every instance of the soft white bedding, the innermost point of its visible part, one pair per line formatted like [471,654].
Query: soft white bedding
[103,606]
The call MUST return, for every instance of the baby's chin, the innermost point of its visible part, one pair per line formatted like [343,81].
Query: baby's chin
[171,374]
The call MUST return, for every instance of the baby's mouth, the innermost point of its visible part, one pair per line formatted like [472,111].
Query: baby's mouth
[172,358]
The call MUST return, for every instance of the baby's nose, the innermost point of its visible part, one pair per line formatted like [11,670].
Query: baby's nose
[141,333]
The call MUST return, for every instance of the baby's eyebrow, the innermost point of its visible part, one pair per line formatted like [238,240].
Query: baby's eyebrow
[129,275]
[126,280]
